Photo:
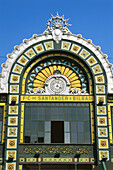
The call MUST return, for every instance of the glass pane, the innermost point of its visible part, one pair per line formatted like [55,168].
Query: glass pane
[66,126]
[40,137]
[27,126]
[47,113]
[47,137]
[40,134]
[34,126]
[33,138]
[41,116]
[27,113]
[80,114]
[80,137]
[86,114]
[73,126]
[67,113]
[73,132]
[80,127]
[0,137]
[73,137]
[34,113]
[73,114]
[67,137]
[54,113]
[61,113]
[87,137]
[27,133]
[0,126]
[40,126]
[47,126]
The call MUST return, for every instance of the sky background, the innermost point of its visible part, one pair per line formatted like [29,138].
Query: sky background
[20,19]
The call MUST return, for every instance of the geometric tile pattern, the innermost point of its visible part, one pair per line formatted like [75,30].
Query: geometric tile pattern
[11,143]
[75,48]
[10,166]
[103,143]
[101,110]
[102,132]
[56,160]
[103,154]
[65,45]
[13,110]
[11,154]
[12,132]
[84,54]
[49,45]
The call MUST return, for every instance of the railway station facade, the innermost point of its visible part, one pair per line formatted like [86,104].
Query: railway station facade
[56,102]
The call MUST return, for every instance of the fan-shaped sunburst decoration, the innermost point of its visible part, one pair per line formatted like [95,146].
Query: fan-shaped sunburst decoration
[77,81]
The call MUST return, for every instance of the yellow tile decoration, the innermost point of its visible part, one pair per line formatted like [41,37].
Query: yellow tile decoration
[103,143]
[11,154]
[101,99]
[102,121]
[39,48]
[75,160]
[17,69]
[12,132]
[102,132]
[13,121]
[99,79]
[39,159]
[13,98]
[1,159]
[57,160]
[84,53]
[20,167]
[30,53]
[83,159]
[31,159]
[103,154]
[97,69]
[110,122]
[101,110]
[75,48]
[92,160]
[49,45]
[21,159]
[11,143]
[91,61]
[23,60]
[22,123]
[10,166]
[100,89]
[92,122]
[13,110]
[65,45]
[15,78]
[4,121]
[14,88]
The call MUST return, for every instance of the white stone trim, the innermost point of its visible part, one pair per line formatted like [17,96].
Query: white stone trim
[6,68]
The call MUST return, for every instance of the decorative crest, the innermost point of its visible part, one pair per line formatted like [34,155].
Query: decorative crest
[57,26]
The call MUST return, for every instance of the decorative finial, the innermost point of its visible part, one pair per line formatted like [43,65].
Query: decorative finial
[57,26]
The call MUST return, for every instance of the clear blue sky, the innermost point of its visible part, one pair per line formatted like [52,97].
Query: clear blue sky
[21,19]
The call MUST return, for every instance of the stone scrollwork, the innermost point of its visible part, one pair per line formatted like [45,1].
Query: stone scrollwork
[57,26]
[77,91]
[38,90]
